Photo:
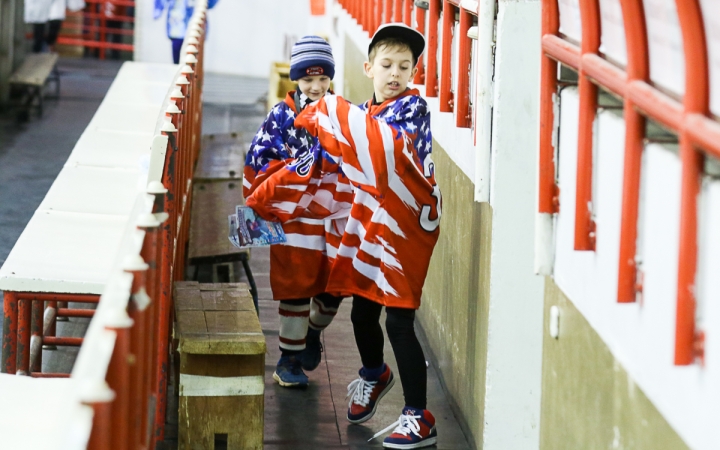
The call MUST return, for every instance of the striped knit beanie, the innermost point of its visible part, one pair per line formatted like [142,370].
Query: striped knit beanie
[311,55]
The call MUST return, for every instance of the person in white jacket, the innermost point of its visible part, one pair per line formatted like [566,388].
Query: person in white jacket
[48,14]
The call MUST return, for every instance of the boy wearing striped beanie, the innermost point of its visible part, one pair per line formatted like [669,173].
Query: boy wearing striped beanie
[299,269]
[384,148]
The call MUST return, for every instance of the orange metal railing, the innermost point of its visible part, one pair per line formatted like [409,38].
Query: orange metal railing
[101,23]
[698,133]
[373,13]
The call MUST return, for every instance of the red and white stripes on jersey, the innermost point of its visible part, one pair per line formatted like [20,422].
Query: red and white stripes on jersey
[384,150]
[301,267]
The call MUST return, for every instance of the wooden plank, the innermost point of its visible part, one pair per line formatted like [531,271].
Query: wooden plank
[217,319]
[238,344]
[222,157]
[188,299]
[223,286]
[222,365]
[35,70]
[192,323]
[227,300]
[241,418]
[212,203]
[228,323]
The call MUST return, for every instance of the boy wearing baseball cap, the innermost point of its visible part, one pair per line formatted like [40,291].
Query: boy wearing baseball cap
[300,268]
[383,147]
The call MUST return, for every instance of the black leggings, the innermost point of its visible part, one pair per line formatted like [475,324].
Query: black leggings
[400,326]
[39,37]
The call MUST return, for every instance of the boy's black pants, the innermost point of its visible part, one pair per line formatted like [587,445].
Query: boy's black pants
[400,326]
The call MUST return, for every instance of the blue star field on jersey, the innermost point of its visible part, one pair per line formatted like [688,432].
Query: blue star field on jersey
[409,114]
[278,139]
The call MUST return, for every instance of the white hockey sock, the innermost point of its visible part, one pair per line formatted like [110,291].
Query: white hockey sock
[321,314]
[293,325]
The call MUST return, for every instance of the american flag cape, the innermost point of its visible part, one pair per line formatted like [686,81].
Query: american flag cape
[393,224]
[300,268]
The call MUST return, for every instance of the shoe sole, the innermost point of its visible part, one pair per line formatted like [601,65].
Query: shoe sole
[425,443]
[282,383]
[377,402]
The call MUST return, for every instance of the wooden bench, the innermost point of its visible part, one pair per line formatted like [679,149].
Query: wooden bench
[32,76]
[222,366]
[217,189]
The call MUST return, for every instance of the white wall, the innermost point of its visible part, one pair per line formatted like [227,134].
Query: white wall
[244,37]
[514,354]
[641,335]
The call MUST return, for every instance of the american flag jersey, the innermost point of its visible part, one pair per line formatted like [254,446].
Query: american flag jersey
[299,268]
[384,150]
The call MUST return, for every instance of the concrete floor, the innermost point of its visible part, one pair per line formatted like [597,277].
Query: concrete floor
[315,418]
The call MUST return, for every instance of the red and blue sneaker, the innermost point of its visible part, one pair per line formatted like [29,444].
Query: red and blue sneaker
[414,429]
[365,394]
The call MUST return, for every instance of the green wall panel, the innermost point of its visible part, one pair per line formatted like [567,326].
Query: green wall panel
[454,311]
[588,400]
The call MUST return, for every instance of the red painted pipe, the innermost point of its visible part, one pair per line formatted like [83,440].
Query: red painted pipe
[10,327]
[637,70]
[49,375]
[79,298]
[22,366]
[118,378]
[65,312]
[547,189]
[431,65]
[448,23]
[66,341]
[696,101]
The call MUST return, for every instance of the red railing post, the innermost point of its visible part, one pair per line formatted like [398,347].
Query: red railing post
[163,325]
[101,403]
[637,69]
[695,101]
[431,75]
[420,26]
[22,366]
[397,11]
[118,378]
[588,93]
[463,112]
[448,22]
[10,328]
[548,194]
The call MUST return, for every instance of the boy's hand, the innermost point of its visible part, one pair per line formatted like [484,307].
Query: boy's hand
[307,119]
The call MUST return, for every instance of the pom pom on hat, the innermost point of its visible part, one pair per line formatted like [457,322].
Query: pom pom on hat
[311,55]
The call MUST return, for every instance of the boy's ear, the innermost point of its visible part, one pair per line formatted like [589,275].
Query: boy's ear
[412,76]
[367,67]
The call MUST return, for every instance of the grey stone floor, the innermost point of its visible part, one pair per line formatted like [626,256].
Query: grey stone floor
[315,418]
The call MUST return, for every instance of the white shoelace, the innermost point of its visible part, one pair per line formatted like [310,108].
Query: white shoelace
[359,391]
[404,425]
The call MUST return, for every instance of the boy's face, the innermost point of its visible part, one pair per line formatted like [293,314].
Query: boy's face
[314,86]
[391,70]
